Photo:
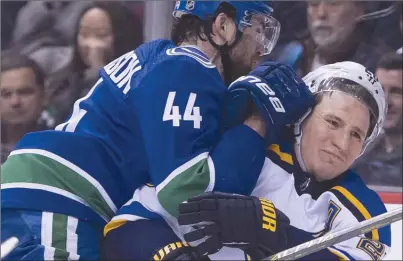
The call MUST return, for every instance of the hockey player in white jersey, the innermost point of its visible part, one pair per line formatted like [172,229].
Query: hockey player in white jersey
[305,188]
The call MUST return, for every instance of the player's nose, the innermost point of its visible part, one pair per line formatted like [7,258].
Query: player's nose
[342,144]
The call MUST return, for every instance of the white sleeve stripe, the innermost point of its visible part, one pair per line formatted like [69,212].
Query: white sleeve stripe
[212,174]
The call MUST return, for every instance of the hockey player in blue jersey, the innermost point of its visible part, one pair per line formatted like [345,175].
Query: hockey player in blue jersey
[305,186]
[154,115]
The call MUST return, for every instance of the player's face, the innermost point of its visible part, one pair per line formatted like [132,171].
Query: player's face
[259,37]
[21,99]
[333,135]
[95,37]
[331,23]
[245,55]
[391,81]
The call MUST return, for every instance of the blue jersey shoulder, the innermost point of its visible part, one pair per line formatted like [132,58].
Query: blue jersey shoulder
[357,188]
[185,62]
[159,50]
[363,203]
[127,71]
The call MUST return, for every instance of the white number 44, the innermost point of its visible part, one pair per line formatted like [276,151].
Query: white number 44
[192,113]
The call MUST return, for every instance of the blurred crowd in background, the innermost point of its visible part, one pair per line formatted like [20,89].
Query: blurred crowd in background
[51,52]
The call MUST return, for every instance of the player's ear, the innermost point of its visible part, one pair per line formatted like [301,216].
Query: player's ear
[224,29]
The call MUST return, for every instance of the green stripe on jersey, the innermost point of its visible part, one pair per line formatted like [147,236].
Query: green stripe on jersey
[190,182]
[38,169]
[59,236]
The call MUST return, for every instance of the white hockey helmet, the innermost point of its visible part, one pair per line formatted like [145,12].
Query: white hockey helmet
[348,77]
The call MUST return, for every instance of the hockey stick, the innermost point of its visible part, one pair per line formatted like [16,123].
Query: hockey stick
[332,238]
[8,246]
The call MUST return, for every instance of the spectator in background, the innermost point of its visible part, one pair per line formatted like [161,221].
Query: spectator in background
[387,28]
[336,33]
[9,13]
[105,30]
[37,16]
[44,32]
[22,99]
[382,162]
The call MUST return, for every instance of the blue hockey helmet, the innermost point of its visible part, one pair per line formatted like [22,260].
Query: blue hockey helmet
[248,13]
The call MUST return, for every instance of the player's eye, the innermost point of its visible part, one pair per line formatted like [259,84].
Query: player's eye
[332,123]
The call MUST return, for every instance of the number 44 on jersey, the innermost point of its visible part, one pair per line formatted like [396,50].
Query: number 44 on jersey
[192,113]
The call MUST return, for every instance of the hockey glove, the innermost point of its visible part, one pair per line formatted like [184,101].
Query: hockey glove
[231,220]
[275,91]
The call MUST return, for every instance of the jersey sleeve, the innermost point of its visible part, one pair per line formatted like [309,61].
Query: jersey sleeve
[179,107]
[349,204]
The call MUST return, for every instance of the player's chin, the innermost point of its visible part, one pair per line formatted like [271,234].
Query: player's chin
[240,69]
[255,62]
[257,59]
[328,171]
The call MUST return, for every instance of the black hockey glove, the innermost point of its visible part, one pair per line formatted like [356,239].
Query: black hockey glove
[246,222]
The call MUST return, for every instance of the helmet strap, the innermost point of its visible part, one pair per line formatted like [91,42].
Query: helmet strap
[225,57]
[298,137]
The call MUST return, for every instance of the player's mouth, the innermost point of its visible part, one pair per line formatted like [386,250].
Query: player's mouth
[334,155]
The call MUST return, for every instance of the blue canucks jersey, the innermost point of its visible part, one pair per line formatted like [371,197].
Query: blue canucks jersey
[153,116]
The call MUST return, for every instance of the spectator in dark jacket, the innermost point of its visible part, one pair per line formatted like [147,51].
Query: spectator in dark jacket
[382,162]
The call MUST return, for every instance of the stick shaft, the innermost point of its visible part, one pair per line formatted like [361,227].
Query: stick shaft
[332,238]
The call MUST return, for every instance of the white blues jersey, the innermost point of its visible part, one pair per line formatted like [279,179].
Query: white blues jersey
[314,208]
